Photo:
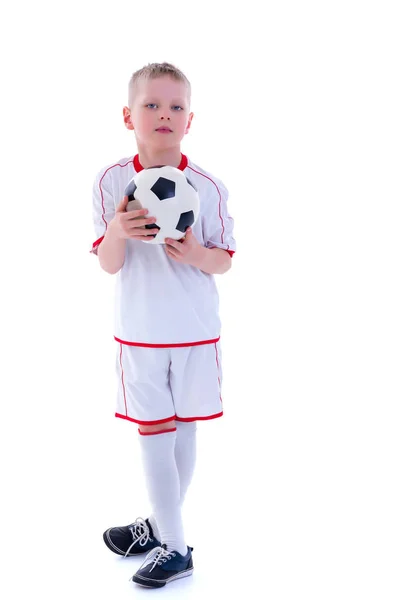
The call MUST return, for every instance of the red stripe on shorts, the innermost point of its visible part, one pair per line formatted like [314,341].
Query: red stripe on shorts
[122,380]
[184,345]
[144,422]
[189,419]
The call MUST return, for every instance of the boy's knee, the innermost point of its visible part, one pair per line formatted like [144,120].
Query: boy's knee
[154,429]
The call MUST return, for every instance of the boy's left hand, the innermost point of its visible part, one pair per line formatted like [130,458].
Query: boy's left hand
[187,251]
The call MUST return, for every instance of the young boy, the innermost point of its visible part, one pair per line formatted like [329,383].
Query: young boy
[166,321]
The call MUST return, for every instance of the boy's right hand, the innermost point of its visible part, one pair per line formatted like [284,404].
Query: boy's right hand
[128,225]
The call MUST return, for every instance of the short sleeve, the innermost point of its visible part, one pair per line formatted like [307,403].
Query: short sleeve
[218,223]
[103,206]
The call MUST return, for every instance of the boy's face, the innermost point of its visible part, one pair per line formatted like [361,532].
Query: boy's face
[160,113]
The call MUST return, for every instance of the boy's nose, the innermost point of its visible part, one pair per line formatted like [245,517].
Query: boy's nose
[169,118]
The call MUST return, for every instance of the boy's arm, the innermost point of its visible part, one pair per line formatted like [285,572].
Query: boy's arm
[109,248]
[215,257]
[220,244]
[111,251]
[215,261]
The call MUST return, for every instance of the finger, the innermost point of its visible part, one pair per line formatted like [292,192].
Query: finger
[123,204]
[143,238]
[173,243]
[188,233]
[143,233]
[173,257]
[174,252]
[135,223]
[170,251]
[134,214]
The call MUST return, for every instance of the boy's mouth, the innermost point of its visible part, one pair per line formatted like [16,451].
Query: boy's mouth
[164,130]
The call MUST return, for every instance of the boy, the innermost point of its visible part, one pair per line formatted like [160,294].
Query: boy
[166,320]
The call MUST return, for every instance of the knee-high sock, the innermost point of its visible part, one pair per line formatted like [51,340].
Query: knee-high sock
[163,486]
[185,456]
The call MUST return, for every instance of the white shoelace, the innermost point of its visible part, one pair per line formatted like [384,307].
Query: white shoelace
[157,556]
[140,534]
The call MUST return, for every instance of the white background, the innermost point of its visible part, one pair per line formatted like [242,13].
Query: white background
[296,493]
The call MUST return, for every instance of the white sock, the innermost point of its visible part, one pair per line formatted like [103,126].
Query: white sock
[162,477]
[154,527]
[185,454]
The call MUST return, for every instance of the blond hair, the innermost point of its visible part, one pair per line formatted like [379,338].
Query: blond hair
[153,71]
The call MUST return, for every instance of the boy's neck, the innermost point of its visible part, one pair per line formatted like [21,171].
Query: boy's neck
[148,158]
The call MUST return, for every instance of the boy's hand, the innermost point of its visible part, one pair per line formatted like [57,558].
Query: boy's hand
[187,251]
[128,224]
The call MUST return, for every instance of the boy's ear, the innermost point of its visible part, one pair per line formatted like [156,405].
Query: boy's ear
[191,115]
[127,118]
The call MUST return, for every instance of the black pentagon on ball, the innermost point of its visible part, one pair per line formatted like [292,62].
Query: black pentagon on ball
[192,184]
[164,188]
[186,220]
[130,190]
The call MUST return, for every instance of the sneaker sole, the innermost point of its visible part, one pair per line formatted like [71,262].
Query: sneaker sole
[108,542]
[158,584]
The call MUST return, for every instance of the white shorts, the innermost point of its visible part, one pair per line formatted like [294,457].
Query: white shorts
[157,385]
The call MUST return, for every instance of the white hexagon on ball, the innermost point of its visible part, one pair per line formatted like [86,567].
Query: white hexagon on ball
[169,196]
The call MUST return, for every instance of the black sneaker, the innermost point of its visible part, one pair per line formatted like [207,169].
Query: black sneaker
[162,566]
[131,540]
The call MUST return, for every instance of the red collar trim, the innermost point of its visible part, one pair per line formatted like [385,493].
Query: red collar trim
[138,167]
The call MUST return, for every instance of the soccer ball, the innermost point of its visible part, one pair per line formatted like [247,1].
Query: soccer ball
[170,198]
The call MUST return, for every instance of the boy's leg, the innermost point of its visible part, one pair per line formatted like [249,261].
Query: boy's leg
[144,396]
[196,380]
[185,456]
[163,484]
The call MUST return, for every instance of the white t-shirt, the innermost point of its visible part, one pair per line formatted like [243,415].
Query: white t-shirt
[158,301]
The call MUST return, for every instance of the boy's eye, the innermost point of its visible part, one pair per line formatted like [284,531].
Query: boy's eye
[175,107]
